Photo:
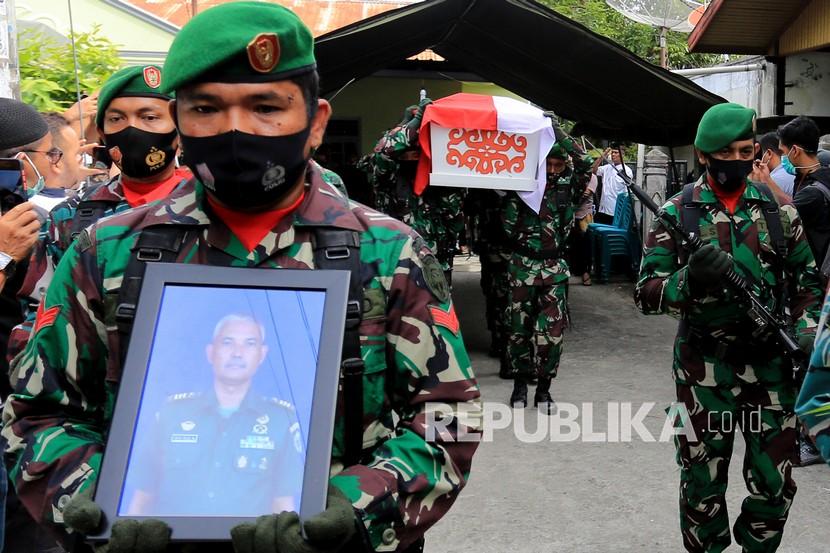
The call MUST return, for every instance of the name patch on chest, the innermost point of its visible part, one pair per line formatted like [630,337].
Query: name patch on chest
[184,438]
[257,442]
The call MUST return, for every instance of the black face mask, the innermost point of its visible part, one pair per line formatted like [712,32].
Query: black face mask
[407,168]
[143,154]
[245,171]
[729,174]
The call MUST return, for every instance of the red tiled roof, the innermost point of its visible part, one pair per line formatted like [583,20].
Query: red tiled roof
[321,16]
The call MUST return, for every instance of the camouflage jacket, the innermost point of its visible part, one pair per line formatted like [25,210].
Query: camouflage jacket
[813,404]
[439,218]
[536,242]
[393,195]
[54,240]
[56,422]
[664,287]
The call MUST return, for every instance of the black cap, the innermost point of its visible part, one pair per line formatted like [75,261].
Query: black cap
[20,124]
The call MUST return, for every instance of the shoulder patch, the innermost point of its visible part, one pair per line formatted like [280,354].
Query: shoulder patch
[447,319]
[84,241]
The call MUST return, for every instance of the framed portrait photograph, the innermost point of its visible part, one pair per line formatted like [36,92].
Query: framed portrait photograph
[226,405]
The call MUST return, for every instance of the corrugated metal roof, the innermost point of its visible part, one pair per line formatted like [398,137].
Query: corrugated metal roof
[744,26]
[321,16]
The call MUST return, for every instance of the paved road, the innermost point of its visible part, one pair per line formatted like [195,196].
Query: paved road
[589,497]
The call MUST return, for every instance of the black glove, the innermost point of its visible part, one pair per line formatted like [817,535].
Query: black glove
[708,265]
[84,516]
[327,532]
[415,122]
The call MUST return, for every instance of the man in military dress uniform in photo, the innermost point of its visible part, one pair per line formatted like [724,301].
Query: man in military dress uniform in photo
[226,451]
[725,376]
[249,115]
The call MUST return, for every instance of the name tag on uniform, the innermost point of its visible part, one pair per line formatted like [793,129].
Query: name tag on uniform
[257,442]
[184,438]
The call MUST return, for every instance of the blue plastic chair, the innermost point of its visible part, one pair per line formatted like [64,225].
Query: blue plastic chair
[616,240]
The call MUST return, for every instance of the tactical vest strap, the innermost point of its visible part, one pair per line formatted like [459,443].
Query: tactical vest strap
[88,212]
[154,245]
[339,249]
[772,215]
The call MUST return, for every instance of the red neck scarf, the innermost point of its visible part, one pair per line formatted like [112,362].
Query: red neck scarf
[140,193]
[251,228]
[730,198]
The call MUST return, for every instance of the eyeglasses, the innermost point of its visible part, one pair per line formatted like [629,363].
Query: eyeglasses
[54,155]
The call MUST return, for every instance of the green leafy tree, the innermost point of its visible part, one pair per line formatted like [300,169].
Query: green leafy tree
[47,69]
[641,39]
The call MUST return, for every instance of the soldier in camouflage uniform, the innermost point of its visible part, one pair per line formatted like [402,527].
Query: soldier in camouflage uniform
[538,272]
[439,218]
[134,120]
[55,423]
[813,404]
[390,168]
[724,376]
[490,245]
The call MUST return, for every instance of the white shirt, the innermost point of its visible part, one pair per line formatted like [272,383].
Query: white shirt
[49,198]
[783,179]
[612,185]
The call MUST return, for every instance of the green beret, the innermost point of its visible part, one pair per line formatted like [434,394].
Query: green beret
[240,42]
[131,81]
[558,151]
[723,124]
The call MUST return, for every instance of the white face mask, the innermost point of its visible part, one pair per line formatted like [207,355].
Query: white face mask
[32,191]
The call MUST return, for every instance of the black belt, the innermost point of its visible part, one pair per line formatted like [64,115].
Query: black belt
[538,255]
[739,350]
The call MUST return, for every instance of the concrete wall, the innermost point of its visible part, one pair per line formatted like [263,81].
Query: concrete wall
[754,89]
[809,77]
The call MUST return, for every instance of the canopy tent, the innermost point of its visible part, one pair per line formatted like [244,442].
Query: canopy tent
[532,51]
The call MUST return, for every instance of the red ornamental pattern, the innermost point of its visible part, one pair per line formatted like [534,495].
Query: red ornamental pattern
[487,152]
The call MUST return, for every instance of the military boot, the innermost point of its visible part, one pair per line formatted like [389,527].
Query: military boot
[542,398]
[518,398]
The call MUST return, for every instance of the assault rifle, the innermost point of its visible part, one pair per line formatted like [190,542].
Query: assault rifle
[766,323]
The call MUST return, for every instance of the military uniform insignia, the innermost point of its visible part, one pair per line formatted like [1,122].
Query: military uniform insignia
[155,158]
[263,419]
[435,279]
[45,317]
[242,462]
[447,319]
[298,442]
[187,426]
[264,52]
[184,438]
[260,429]
[263,463]
[152,77]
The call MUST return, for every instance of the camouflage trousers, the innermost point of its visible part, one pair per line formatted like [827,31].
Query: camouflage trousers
[538,318]
[764,413]
[496,289]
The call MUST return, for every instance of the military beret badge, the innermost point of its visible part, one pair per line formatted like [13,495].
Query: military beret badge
[264,52]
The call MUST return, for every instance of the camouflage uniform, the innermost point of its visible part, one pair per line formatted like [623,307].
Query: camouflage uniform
[538,273]
[493,255]
[813,404]
[56,236]
[393,191]
[55,423]
[723,375]
[438,217]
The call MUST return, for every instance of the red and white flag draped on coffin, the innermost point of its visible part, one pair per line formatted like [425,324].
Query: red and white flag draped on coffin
[488,136]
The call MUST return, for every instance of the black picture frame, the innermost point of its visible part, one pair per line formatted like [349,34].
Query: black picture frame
[120,443]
